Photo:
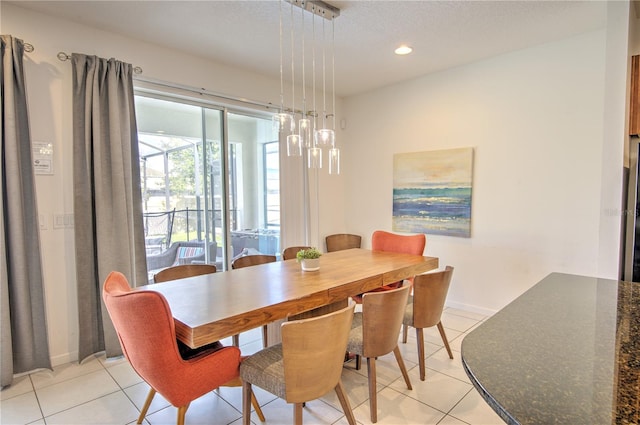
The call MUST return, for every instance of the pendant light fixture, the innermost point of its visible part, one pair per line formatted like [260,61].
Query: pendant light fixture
[283,122]
[304,125]
[309,139]
[324,136]
[294,145]
[334,153]
[314,158]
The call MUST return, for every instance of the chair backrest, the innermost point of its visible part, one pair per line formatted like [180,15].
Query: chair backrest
[145,328]
[341,241]
[429,295]
[382,314]
[289,253]
[391,242]
[252,260]
[182,271]
[319,341]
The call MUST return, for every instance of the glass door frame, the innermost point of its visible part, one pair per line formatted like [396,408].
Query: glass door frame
[224,152]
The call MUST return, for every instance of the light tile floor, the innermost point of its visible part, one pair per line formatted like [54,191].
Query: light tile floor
[101,391]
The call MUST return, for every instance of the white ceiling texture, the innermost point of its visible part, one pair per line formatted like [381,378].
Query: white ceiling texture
[246,34]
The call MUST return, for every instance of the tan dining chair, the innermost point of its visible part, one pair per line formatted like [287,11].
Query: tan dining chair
[252,260]
[305,366]
[289,253]
[341,241]
[248,261]
[424,309]
[182,271]
[374,333]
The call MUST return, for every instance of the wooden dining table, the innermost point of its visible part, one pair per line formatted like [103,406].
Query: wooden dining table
[211,307]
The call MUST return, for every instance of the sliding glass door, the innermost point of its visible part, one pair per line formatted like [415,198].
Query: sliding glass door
[210,183]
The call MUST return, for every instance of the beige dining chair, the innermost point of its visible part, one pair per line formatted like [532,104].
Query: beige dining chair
[305,366]
[248,261]
[289,253]
[424,309]
[374,333]
[182,271]
[341,241]
[252,260]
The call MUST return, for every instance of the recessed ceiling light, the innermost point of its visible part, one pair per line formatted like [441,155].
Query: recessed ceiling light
[403,50]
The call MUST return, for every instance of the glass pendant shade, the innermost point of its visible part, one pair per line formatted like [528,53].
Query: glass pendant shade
[315,158]
[325,137]
[294,145]
[304,130]
[283,122]
[334,161]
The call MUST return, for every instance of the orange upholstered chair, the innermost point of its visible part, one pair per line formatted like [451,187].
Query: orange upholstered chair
[145,328]
[391,242]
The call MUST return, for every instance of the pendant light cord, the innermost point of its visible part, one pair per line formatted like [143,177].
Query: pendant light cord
[333,74]
[281,60]
[313,52]
[324,91]
[293,74]
[304,92]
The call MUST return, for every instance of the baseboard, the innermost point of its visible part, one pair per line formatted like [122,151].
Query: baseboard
[472,308]
[64,358]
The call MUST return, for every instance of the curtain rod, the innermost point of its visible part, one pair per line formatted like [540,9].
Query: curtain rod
[28,47]
[62,56]
[203,91]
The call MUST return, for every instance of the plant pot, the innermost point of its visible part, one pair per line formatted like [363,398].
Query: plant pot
[310,264]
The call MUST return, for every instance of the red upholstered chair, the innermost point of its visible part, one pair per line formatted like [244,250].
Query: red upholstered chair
[146,330]
[391,242]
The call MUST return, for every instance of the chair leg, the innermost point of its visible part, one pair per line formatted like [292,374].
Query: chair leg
[357,361]
[297,413]
[405,329]
[265,336]
[236,340]
[256,407]
[182,411]
[421,365]
[373,398]
[147,403]
[403,369]
[444,339]
[246,403]
[344,402]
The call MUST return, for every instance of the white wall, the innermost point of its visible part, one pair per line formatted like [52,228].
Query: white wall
[535,120]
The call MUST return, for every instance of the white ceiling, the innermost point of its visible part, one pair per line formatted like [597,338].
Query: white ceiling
[245,34]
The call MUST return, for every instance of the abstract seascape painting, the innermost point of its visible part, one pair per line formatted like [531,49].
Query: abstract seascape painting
[432,192]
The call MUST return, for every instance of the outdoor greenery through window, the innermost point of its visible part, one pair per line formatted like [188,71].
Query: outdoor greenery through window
[193,211]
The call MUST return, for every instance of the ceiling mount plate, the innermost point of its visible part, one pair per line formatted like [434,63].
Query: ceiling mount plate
[317,7]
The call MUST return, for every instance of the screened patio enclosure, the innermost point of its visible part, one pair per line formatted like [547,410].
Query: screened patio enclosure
[209,193]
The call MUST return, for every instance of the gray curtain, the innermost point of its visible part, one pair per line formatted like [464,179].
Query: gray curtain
[23,330]
[109,231]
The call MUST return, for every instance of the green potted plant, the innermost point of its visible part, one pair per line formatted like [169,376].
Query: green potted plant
[309,259]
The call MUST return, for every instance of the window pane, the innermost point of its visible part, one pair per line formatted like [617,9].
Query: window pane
[253,186]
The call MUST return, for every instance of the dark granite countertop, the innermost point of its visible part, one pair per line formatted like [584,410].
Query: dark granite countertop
[567,351]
